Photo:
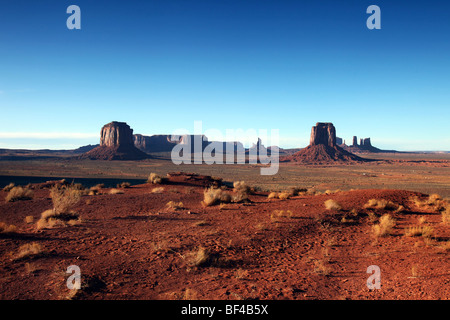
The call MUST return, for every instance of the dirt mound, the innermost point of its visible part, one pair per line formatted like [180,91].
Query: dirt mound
[320,154]
[122,152]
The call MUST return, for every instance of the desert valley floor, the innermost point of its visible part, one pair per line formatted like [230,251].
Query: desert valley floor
[158,241]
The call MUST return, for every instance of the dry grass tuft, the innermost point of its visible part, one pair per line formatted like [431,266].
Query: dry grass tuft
[434,202]
[61,215]
[123,185]
[64,199]
[383,205]
[155,178]
[280,195]
[175,205]
[295,191]
[242,191]
[7,228]
[272,195]
[198,258]
[331,204]
[416,231]
[116,191]
[241,187]
[19,193]
[9,187]
[212,196]
[28,250]
[278,215]
[385,226]
[283,195]
[158,190]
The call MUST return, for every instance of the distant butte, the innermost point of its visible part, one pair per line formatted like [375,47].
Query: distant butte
[322,148]
[116,143]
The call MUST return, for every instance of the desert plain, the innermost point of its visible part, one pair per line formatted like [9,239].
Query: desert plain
[308,232]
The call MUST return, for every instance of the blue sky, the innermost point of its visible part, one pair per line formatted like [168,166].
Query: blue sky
[232,64]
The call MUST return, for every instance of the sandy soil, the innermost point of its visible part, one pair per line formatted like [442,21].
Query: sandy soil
[133,246]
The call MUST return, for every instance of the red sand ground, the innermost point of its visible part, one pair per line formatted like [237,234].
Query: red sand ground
[131,246]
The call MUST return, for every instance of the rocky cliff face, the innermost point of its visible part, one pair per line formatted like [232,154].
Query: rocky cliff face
[323,133]
[115,134]
[116,143]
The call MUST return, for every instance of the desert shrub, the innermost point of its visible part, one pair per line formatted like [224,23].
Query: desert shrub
[115,191]
[295,191]
[212,196]
[278,215]
[93,190]
[155,178]
[19,193]
[385,226]
[175,205]
[7,228]
[381,204]
[198,258]
[283,195]
[242,191]
[331,204]
[64,199]
[158,190]
[61,215]
[124,185]
[9,187]
[434,201]
[241,187]
[27,250]
[416,231]
[273,195]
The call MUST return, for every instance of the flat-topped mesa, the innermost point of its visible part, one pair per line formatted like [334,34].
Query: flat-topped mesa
[355,141]
[323,133]
[116,134]
[116,143]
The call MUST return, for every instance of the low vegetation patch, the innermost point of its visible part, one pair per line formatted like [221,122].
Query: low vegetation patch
[279,215]
[242,191]
[62,214]
[9,187]
[385,226]
[175,205]
[417,231]
[7,228]
[331,204]
[212,196]
[28,250]
[124,185]
[433,202]
[198,258]
[158,190]
[19,193]
[383,204]
[115,191]
[155,178]
[279,195]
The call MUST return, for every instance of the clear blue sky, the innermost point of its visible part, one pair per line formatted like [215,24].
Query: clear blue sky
[262,64]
